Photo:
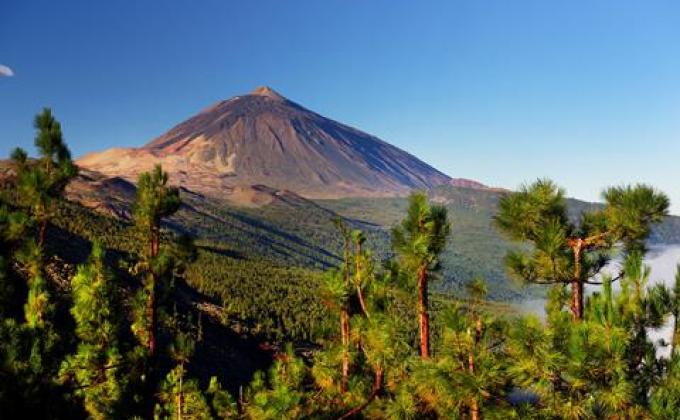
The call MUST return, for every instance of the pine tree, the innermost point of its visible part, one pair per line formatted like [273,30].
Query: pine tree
[33,352]
[336,296]
[665,396]
[12,227]
[573,254]
[384,352]
[337,287]
[13,224]
[44,181]
[674,303]
[372,332]
[38,307]
[19,157]
[418,241]
[468,377]
[96,370]
[602,367]
[180,397]
[345,286]
[155,201]
[34,193]
[477,291]
[378,334]
[223,405]
[536,364]
[280,393]
[363,270]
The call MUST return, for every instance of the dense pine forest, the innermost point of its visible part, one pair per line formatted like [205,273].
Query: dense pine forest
[103,317]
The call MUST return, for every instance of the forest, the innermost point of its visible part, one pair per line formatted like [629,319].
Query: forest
[104,318]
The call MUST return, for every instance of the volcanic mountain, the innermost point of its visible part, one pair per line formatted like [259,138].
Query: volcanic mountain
[265,139]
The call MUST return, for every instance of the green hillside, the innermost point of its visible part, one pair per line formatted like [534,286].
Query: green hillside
[476,248]
[293,231]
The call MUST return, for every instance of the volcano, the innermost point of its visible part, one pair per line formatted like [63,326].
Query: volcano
[265,139]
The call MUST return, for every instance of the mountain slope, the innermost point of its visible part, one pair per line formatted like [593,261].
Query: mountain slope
[264,138]
[272,230]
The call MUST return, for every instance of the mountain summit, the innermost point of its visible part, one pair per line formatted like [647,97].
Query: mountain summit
[265,139]
[268,92]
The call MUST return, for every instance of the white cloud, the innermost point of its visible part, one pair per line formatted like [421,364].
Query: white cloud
[6,71]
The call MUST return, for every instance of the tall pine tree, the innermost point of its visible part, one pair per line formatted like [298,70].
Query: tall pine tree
[155,201]
[569,253]
[43,181]
[96,370]
[418,241]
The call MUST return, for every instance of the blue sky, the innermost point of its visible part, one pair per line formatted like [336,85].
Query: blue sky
[584,92]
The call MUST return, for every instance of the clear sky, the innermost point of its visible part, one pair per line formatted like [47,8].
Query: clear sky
[584,92]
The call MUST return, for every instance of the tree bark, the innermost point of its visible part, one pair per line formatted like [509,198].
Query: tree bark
[344,329]
[676,333]
[474,409]
[474,404]
[423,314]
[360,293]
[362,302]
[41,232]
[576,282]
[576,300]
[154,246]
[151,313]
[154,241]
[180,396]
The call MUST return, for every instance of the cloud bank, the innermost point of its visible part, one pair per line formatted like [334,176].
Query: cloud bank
[6,71]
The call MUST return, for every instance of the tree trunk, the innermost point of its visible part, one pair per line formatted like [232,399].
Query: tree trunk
[576,300]
[474,404]
[576,283]
[41,232]
[180,395]
[362,301]
[344,329]
[151,313]
[154,241]
[423,314]
[474,409]
[676,333]
[377,382]
[154,245]
[360,293]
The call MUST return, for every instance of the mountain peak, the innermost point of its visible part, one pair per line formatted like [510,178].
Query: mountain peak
[268,92]
[265,139]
